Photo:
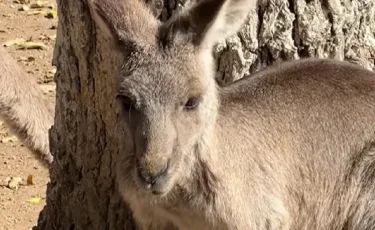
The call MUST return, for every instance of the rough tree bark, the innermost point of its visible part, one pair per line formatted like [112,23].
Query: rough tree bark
[82,193]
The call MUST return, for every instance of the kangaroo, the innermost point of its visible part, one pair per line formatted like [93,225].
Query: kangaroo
[289,147]
[24,108]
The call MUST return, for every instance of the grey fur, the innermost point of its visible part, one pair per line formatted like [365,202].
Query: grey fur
[291,147]
[24,108]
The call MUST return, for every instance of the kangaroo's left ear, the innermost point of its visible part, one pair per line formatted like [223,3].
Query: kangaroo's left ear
[125,21]
[207,22]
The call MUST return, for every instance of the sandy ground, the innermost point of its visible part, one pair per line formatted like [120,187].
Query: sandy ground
[16,210]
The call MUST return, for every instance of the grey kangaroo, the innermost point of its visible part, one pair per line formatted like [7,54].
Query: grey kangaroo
[291,147]
[24,107]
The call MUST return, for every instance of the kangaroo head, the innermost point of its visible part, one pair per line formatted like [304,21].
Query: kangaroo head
[167,89]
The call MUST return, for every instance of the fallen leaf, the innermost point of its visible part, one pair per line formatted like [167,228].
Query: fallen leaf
[52,71]
[39,4]
[14,42]
[28,59]
[51,14]
[52,37]
[32,45]
[22,1]
[37,12]
[35,200]
[30,180]
[24,8]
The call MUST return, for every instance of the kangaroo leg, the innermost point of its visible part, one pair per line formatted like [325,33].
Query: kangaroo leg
[24,107]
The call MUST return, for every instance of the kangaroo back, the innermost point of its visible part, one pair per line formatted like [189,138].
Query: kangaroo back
[24,107]
[304,131]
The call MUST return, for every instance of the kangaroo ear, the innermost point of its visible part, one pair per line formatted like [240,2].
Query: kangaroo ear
[125,21]
[207,22]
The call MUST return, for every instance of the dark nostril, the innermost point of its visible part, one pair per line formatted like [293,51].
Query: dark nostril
[161,173]
[143,176]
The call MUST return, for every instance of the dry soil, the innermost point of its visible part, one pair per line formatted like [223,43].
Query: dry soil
[16,211]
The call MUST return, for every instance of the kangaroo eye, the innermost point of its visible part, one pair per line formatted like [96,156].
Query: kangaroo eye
[192,103]
[126,101]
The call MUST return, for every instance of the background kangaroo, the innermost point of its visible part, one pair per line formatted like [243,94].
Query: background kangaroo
[24,107]
[291,147]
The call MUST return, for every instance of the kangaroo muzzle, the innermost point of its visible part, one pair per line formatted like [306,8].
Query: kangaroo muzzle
[154,152]
[152,179]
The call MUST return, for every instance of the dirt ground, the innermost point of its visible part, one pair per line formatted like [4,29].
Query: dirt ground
[16,210]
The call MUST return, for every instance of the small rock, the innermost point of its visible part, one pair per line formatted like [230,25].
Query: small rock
[24,8]
[15,182]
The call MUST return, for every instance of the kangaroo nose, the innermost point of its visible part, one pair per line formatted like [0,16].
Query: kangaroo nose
[150,179]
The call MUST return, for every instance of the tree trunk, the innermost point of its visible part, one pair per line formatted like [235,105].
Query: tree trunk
[82,193]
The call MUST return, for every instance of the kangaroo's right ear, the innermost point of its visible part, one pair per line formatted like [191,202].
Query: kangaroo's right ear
[125,21]
[207,22]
